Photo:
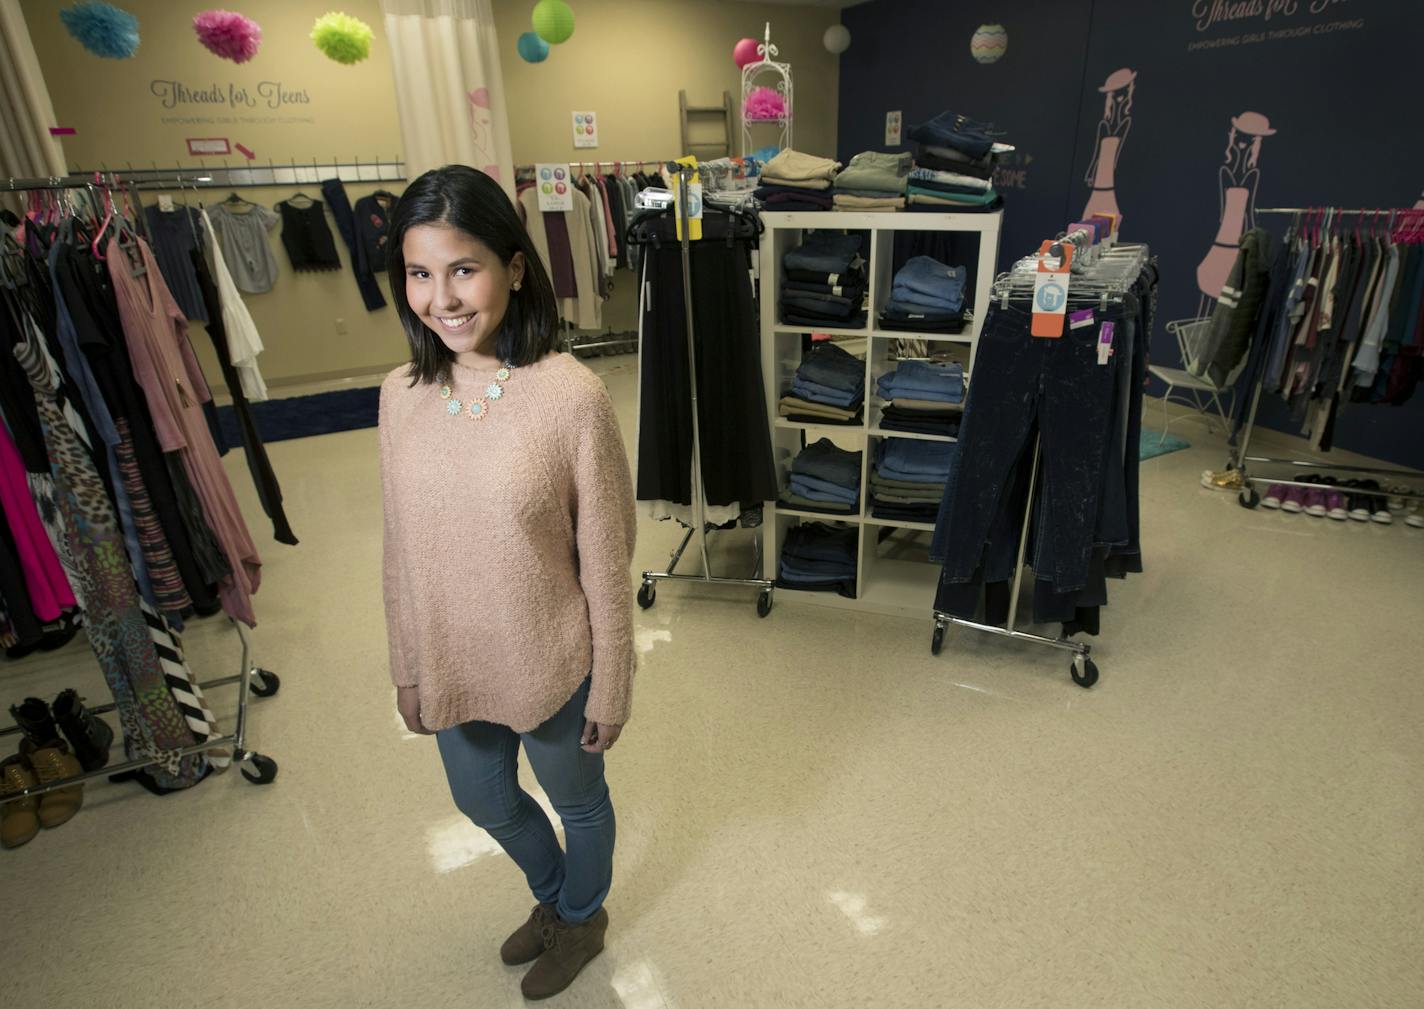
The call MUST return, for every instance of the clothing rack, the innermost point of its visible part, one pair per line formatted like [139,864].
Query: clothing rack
[1248,496]
[1107,279]
[261,682]
[191,176]
[647,594]
[595,165]
[249,678]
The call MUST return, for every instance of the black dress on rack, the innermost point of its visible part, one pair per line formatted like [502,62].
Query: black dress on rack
[737,466]
[269,492]
[307,237]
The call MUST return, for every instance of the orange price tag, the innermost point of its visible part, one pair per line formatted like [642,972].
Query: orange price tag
[1050,292]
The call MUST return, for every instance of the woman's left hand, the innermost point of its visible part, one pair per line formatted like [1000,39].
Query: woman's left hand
[599,736]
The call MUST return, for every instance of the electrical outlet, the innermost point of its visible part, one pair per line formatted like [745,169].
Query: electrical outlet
[340,327]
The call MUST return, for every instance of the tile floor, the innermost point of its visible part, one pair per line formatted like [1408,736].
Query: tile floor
[812,809]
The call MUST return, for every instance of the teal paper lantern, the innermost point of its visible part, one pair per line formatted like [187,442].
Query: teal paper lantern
[533,49]
[553,21]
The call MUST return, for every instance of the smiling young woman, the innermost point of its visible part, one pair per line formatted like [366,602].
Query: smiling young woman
[509,530]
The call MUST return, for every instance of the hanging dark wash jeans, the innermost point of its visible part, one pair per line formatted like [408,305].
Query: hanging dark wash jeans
[1020,382]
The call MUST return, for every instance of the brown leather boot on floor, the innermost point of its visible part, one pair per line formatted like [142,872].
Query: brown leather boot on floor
[527,942]
[18,821]
[55,763]
[567,950]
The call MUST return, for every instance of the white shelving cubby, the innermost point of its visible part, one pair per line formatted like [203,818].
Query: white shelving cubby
[894,574]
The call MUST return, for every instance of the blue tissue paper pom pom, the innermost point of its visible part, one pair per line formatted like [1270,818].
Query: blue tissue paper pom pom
[102,28]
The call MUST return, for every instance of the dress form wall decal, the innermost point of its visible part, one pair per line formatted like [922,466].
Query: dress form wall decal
[1112,134]
[1238,180]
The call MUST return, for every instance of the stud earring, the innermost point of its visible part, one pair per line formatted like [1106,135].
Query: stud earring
[517,284]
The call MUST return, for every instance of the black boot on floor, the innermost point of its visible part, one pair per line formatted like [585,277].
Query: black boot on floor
[35,721]
[89,735]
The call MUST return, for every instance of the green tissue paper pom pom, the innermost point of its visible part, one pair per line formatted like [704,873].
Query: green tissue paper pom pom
[553,21]
[342,37]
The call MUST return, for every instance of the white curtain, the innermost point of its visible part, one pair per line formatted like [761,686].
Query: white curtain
[449,88]
[26,147]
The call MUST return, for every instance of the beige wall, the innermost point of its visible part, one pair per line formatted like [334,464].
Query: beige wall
[628,59]
[626,62]
[350,113]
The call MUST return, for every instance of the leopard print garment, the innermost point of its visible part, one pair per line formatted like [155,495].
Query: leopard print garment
[153,726]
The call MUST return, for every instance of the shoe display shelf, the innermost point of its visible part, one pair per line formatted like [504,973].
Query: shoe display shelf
[256,767]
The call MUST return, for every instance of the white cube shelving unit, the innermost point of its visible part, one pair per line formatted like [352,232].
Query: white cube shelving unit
[893,574]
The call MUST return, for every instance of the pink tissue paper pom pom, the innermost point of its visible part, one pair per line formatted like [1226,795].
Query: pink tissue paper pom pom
[228,34]
[764,103]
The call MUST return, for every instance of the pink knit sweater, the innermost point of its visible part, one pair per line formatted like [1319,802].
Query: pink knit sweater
[507,546]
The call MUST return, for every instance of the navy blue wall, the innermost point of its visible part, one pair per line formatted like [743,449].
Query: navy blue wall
[1333,79]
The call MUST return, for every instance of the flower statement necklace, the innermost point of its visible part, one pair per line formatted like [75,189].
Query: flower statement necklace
[477,407]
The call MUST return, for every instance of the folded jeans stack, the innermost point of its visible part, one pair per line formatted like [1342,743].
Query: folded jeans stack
[954,167]
[828,388]
[909,478]
[798,182]
[926,297]
[923,397]
[824,282]
[873,181]
[819,558]
[825,478]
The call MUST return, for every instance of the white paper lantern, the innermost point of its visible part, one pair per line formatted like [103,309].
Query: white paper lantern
[836,40]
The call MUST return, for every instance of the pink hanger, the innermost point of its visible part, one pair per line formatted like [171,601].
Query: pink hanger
[108,216]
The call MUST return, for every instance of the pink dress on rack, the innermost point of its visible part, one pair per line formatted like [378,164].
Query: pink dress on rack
[50,594]
[173,386]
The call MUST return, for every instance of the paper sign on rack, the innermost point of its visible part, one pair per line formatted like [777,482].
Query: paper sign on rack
[694,202]
[554,185]
[1050,292]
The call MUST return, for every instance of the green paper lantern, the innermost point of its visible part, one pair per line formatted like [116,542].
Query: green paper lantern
[553,21]
[342,37]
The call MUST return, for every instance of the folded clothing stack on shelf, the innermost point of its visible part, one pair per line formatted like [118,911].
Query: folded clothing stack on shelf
[873,182]
[819,558]
[954,167]
[825,478]
[824,284]
[926,297]
[796,181]
[828,388]
[909,477]
[923,398]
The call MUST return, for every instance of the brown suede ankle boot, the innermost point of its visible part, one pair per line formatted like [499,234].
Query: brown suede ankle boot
[527,942]
[567,950]
[18,820]
[55,763]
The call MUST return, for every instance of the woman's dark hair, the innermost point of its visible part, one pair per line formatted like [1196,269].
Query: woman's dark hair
[461,197]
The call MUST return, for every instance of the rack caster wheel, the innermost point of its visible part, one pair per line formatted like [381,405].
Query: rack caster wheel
[764,603]
[1084,671]
[937,642]
[1248,498]
[265,767]
[647,595]
[264,683]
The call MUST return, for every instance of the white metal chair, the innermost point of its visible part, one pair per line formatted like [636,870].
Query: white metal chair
[1186,386]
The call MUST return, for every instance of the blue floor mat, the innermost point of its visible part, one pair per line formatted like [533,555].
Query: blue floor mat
[1153,444]
[307,416]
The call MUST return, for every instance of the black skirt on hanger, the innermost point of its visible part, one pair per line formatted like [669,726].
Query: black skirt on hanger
[737,462]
